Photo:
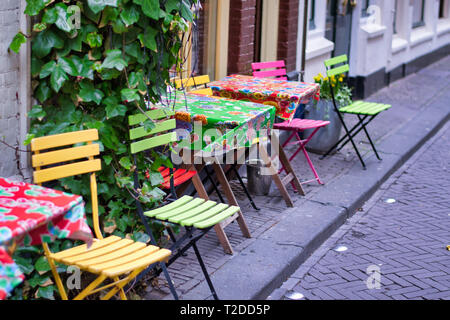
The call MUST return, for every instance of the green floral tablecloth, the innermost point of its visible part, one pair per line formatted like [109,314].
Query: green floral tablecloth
[219,125]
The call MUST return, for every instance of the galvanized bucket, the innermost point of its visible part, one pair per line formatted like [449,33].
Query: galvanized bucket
[257,183]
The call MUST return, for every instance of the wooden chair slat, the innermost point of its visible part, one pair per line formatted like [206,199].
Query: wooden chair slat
[191,82]
[269,73]
[155,114]
[266,65]
[339,70]
[63,139]
[336,60]
[206,91]
[68,154]
[140,132]
[67,170]
[153,142]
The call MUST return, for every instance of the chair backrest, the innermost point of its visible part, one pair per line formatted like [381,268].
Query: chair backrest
[193,84]
[145,139]
[336,66]
[65,155]
[332,70]
[278,69]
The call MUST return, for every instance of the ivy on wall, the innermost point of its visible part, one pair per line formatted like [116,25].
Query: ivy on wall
[94,63]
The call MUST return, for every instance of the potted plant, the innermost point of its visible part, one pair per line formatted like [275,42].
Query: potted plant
[327,136]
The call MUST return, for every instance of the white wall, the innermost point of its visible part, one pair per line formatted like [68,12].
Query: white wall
[374,45]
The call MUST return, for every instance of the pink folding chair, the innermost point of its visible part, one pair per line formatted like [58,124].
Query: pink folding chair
[294,125]
[278,70]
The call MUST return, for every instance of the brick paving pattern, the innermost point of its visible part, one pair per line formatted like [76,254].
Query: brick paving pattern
[406,239]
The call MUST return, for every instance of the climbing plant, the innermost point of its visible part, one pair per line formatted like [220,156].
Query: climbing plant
[94,63]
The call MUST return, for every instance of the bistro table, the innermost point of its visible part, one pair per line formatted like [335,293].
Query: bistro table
[285,96]
[30,215]
[226,125]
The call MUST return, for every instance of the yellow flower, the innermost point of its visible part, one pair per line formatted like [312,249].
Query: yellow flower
[341,79]
[326,79]
[320,75]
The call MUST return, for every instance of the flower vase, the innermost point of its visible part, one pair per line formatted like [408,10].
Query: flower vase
[327,136]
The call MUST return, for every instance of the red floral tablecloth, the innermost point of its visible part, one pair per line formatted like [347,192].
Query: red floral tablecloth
[30,215]
[284,95]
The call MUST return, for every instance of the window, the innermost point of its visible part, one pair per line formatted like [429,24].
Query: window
[365,6]
[312,14]
[442,9]
[395,17]
[418,13]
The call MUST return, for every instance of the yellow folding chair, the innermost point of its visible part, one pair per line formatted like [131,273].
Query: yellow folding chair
[196,85]
[114,258]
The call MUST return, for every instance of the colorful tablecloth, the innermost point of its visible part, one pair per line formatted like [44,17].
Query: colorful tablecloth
[284,95]
[30,215]
[218,125]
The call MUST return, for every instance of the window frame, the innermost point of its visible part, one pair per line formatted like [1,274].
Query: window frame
[421,22]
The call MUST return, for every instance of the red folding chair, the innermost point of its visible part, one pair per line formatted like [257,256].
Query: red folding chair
[295,125]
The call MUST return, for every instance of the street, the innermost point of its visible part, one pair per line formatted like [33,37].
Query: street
[395,246]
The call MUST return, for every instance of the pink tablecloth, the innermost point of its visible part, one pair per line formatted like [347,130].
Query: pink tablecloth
[284,95]
[30,215]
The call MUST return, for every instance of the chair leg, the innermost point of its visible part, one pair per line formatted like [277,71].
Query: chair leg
[368,137]
[308,159]
[205,272]
[348,134]
[236,172]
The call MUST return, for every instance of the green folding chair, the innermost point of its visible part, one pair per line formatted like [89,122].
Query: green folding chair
[365,111]
[195,215]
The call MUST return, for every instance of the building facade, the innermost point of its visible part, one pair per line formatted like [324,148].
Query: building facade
[384,39]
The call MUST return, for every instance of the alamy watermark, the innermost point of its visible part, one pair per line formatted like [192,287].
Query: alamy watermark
[197,145]
[374,279]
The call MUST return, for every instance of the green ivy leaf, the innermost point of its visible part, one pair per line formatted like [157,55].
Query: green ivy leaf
[46,292]
[35,6]
[148,38]
[125,162]
[129,95]
[94,39]
[98,5]
[115,110]
[62,17]
[17,42]
[130,15]
[42,265]
[36,112]
[88,93]
[83,67]
[47,69]
[43,92]
[50,16]
[58,78]
[149,7]
[156,178]
[68,66]
[45,41]
[38,27]
[114,60]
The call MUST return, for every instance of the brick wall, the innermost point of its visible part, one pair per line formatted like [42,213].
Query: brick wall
[287,33]
[9,83]
[241,41]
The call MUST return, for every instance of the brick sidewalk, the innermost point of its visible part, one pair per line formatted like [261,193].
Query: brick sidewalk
[407,239]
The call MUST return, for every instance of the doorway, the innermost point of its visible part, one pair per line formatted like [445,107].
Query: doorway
[339,25]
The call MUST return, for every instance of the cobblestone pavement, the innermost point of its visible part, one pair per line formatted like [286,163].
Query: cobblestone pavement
[405,240]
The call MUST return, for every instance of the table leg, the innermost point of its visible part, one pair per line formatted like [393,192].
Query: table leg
[231,200]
